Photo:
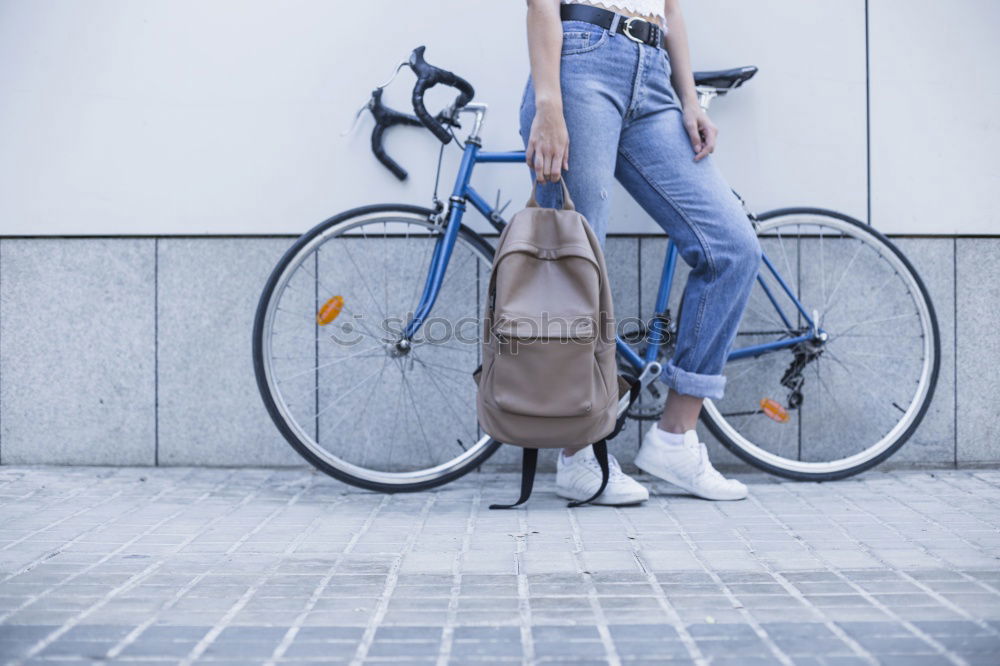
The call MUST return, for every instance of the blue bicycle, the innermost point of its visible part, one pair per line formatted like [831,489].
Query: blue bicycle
[367,330]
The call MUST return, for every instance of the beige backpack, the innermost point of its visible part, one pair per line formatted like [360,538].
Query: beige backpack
[549,377]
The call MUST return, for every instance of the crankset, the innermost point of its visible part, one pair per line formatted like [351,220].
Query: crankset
[648,406]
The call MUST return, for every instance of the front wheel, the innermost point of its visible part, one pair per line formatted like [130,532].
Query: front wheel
[832,407]
[352,394]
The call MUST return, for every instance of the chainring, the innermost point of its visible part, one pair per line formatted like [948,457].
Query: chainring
[648,406]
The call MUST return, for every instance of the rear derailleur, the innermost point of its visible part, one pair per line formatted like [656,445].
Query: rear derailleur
[802,355]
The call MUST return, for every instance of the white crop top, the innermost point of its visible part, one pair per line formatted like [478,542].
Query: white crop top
[651,8]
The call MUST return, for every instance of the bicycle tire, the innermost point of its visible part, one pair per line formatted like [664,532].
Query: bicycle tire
[260,373]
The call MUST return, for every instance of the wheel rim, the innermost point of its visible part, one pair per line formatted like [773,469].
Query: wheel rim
[312,260]
[726,415]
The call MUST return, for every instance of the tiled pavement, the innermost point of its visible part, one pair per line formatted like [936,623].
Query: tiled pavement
[252,566]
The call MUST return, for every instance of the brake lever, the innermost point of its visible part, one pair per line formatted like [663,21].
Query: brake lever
[369,104]
[447,116]
[401,65]
[357,118]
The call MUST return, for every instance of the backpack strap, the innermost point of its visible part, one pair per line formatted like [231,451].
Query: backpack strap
[601,453]
[529,462]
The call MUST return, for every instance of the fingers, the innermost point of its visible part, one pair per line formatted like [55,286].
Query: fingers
[548,146]
[702,151]
[691,125]
[538,164]
[713,132]
[707,134]
[548,164]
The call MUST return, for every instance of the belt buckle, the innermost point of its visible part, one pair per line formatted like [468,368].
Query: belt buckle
[628,25]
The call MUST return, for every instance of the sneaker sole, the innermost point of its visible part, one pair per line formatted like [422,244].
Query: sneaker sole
[654,470]
[600,499]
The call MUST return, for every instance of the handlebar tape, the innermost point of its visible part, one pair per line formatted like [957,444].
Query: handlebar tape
[385,118]
[428,76]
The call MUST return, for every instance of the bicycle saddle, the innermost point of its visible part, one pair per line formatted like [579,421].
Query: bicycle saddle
[725,78]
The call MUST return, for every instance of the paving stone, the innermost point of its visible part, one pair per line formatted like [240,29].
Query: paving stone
[647,649]
[315,649]
[914,660]
[721,631]
[557,648]
[239,649]
[810,645]
[953,628]
[643,632]
[415,632]
[493,649]
[564,632]
[308,634]
[160,649]
[403,649]
[86,649]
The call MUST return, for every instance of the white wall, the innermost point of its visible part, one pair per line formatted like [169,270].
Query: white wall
[192,117]
[935,102]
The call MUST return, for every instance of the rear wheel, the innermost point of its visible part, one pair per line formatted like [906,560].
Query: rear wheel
[828,409]
[340,382]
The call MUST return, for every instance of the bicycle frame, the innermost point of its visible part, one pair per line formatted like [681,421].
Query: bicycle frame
[463,192]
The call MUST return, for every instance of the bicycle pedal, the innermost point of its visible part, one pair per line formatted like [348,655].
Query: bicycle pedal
[774,410]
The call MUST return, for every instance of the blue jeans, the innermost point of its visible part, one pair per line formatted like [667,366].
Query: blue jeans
[625,122]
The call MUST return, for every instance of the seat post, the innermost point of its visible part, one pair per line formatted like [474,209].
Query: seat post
[705,96]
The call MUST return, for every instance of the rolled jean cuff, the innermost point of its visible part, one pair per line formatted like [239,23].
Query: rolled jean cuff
[692,383]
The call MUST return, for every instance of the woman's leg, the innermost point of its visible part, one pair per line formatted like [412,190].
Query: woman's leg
[680,413]
[693,203]
[695,206]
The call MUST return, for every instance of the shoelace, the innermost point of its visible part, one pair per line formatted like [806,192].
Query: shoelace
[614,469]
[705,467]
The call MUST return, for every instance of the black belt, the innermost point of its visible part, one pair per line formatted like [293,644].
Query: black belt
[636,29]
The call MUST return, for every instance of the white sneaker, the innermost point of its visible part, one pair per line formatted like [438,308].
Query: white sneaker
[686,465]
[579,476]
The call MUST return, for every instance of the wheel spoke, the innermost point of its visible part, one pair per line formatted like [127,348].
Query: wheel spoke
[416,413]
[833,396]
[876,400]
[891,390]
[868,322]
[339,359]
[333,427]
[847,269]
[784,252]
[364,281]
[348,392]
[873,296]
[449,401]
[770,319]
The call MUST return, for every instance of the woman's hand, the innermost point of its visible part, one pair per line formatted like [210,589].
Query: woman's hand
[548,143]
[701,130]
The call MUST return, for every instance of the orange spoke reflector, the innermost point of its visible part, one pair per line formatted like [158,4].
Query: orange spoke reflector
[774,410]
[330,310]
